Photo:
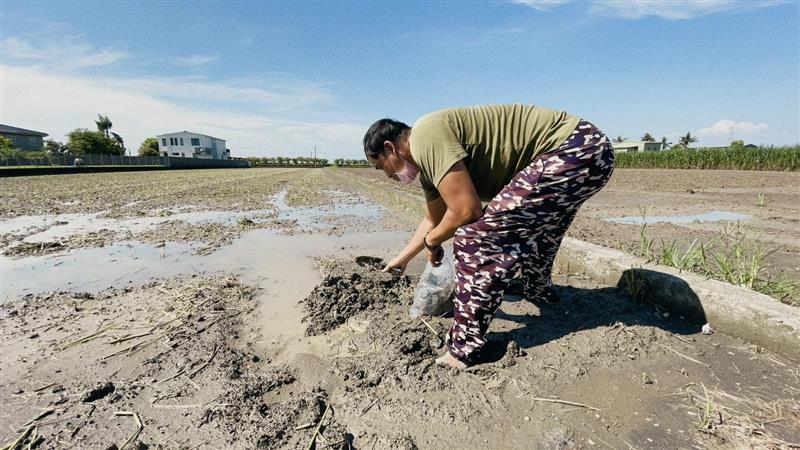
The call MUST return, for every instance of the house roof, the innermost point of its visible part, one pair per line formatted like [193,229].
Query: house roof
[190,132]
[7,129]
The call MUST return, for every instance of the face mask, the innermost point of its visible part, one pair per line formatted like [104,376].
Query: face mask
[408,174]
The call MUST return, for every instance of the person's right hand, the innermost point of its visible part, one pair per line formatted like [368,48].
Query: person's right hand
[396,266]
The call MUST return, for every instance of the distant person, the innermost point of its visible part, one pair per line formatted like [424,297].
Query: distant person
[534,166]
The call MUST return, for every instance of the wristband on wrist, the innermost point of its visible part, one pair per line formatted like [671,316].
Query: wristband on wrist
[428,246]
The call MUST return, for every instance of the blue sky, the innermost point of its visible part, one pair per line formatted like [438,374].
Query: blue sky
[278,78]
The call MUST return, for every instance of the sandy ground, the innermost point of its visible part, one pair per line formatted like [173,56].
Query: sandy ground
[276,338]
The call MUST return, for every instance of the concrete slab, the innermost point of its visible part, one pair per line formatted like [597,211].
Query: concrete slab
[730,309]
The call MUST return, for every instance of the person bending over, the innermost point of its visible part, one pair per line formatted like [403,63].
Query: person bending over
[534,166]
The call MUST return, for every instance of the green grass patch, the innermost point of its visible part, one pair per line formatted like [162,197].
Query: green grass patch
[731,256]
[737,158]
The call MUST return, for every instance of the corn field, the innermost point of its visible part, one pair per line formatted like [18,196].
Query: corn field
[759,158]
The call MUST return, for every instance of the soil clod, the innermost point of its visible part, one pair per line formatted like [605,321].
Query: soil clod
[351,287]
[99,391]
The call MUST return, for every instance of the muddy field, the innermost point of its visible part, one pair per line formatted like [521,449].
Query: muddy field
[225,309]
[763,205]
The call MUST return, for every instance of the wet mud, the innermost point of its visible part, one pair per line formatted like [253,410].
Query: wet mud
[539,355]
[87,368]
[257,350]
[349,288]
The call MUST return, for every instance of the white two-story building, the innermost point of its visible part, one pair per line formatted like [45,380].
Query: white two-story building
[185,144]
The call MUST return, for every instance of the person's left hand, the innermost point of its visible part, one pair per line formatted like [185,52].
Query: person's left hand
[435,256]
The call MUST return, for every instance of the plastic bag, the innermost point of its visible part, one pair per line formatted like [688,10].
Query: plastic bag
[435,289]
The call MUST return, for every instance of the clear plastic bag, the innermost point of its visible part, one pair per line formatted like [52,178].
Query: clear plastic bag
[435,289]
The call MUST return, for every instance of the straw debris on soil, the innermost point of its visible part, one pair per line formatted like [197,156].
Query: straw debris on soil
[348,288]
[165,347]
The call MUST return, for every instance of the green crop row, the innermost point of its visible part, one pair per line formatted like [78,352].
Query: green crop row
[741,158]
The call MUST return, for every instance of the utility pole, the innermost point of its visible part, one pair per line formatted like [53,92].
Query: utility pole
[315,156]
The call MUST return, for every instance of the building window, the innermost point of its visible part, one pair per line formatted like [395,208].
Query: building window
[164,142]
[175,154]
[196,141]
[183,154]
[181,141]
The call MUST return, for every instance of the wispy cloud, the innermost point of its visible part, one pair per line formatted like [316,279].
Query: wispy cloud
[666,9]
[675,9]
[286,96]
[67,53]
[732,129]
[541,5]
[510,30]
[196,60]
[269,92]
[142,107]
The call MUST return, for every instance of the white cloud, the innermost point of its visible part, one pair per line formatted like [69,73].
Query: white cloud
[37,98]
[196,60]
[67,53]
[284,97]
[674,9]
[541,5]
[731,129]
[510,30]
[666,9]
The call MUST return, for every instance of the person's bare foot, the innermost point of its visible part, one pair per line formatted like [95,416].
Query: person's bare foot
[448,360]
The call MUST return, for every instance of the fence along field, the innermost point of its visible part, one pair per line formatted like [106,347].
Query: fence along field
[759,158]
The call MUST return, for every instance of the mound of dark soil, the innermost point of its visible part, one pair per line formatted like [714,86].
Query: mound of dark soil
[349,288]
[402,355]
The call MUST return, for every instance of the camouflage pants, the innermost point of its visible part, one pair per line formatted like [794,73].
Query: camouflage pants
[521,230]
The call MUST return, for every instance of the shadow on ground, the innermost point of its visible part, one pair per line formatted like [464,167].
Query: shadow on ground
[579,309]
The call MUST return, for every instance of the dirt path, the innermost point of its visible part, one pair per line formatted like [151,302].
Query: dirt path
[277,339]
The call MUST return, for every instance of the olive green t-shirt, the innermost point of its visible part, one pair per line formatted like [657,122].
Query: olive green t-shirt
[495,141]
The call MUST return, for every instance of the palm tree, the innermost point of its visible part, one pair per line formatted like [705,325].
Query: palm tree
[648,138]
[686,140]
[103,124]
[119,141]
[619,139]
[665,144]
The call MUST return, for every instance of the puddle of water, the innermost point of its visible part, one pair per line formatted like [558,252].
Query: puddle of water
[62,226]
[92,269]
[256,255]
[279,264]
[711,216]
[343,205]
[25,224]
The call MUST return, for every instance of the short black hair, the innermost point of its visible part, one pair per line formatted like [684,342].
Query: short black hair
[380,131]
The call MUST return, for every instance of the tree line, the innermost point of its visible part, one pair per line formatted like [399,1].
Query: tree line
[684,142]
[83,141]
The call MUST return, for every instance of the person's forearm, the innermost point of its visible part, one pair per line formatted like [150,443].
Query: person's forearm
[415,245]
[447,227]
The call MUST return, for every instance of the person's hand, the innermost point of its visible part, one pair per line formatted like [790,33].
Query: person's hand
[396,266]
[435,256]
